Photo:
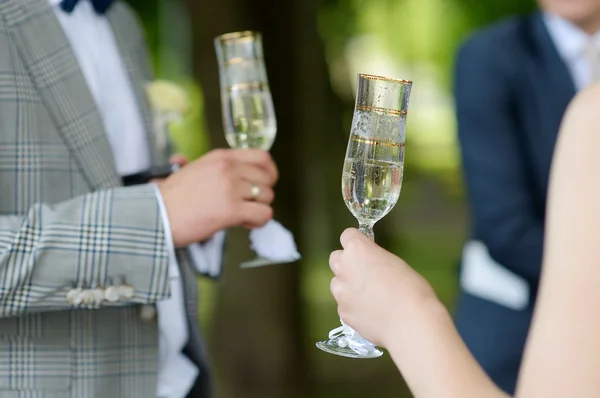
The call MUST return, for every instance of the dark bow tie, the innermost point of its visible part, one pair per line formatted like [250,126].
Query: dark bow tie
[101,6]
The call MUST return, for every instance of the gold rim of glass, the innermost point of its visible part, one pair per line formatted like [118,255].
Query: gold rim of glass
[248,85]
[237,35]
[383,78]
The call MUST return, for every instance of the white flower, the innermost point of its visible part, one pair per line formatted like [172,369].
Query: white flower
[169,103]
[167,97]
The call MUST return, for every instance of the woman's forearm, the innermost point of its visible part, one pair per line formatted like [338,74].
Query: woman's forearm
[434,359]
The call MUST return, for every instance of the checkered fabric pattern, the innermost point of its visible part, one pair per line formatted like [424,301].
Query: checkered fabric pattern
[65,222]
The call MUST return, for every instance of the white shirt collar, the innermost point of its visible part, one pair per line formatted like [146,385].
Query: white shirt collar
[55,2]
[570,41]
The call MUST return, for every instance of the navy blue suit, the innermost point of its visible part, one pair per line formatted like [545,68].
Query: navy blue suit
[512,89]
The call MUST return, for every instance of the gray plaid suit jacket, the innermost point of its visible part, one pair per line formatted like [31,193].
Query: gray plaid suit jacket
[65,222]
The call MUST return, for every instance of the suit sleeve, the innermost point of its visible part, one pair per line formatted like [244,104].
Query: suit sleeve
[105,239]
[500,193]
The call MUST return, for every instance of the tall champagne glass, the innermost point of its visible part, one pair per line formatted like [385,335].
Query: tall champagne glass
[372,177]
[248,113]
[247,107]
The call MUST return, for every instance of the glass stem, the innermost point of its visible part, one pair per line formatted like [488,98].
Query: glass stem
[367,230]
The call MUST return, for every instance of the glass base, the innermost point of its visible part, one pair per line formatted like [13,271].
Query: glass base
[261,262]
[331,347]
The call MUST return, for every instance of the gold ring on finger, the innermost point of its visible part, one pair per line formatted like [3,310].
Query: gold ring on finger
[255,191]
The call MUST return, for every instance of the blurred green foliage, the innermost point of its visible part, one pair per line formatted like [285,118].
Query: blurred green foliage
[190,136]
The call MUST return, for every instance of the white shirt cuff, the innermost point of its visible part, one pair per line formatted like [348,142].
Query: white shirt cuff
[173,266]
[483,277]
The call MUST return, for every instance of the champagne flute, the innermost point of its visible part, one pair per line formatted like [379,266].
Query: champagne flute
[248,112]
[372,177]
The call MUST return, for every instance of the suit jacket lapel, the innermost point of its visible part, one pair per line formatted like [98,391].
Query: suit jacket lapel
[133,50]
[554,83]
[55,71]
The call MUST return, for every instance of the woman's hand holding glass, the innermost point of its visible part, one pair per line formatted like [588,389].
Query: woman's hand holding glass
[377,293]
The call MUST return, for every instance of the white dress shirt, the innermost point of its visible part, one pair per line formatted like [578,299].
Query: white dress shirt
[481,276]
[572,43]
[96,50]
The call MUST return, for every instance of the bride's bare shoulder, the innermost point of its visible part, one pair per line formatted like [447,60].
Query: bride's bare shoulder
[581,122]
[586,104]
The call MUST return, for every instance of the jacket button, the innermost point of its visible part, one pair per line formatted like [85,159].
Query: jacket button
[74,296]
[111,294]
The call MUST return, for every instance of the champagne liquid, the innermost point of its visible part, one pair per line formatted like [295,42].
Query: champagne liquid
[372,178]
[249,119]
